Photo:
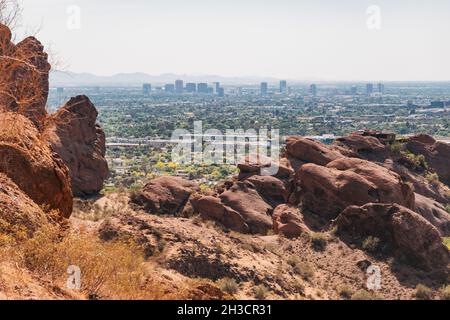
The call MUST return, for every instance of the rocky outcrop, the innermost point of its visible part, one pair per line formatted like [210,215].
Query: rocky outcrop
[166,195]
[240,208]
[261,165]
[360,146]
[435,213]
[32,166]
[310,151]
[437,155]
[274,191]
[288,221]
[19,215]
[328,190]
[73,134]
[407,234]
[24,84]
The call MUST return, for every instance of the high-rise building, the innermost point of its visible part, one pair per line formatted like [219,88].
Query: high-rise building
[313,90]
[191,87]
[169,88]
[220,92]
[381,88]
[354,90]
[369,89]
[146,88]
[283,86]
[264,88]
[216,87]
[179,85]
[60,90]
[202,88]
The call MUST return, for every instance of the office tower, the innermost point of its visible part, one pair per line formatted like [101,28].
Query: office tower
[220,92]
[169,88]
[381,88]
[179,86]
[369,89]
[216,87]
[264,88]
[313,90]
[283,86]
[354,90]
[202,88]
[146,88]
[60,90]
[191,87]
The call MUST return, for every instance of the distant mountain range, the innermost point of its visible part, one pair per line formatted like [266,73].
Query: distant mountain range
[72,79]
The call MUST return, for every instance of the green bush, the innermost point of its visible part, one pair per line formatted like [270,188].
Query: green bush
[371,244]
[432,178]
[344,291]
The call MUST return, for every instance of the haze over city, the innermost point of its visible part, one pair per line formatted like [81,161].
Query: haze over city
[294,40]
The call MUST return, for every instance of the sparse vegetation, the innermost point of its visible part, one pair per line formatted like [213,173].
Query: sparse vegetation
[319,241]
[302,268]
[396,148]
[365,295]
[447,208]
[445,293]
[447,242]
[432,178]
[344,291]
[228,285]
[371,244]
[261,292]
[423,292]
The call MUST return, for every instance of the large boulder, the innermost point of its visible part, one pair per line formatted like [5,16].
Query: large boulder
[437,155]
[254,164]
[274,191]
[288,221]
[20,217]
[326,191]
[32,166]
[406,233]
[24,84]
[240,208]
[73,134]
[166,195]
[310,151]
[360,146]
[435,213]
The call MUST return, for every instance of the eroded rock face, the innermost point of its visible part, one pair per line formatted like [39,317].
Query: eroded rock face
[240,208]
[18,213]
[32,166]
[166,195]
[437,155]
[310,151]
[435,213]
[407,233]
[73,134]
[328,190]
[24,76]
[259,165]
[288,221]
[360,146]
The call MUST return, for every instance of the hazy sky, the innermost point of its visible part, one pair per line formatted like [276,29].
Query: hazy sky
[293,39]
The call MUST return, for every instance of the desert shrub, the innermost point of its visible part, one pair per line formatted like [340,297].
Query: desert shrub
[302,268]
[396,147]
[432,178]
[364,295]
[319,241]
[114,269]
[445,293]
[261,292]
[418,160]
[344,291]
[299,286]
[447,242]
[423,292]
[228,285]
[371,244]
[447,208]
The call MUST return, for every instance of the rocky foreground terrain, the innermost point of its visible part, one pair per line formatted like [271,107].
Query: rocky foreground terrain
[310,232]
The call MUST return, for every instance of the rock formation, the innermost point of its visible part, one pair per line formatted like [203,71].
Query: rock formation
[288,221]
[73,134]
[405,232]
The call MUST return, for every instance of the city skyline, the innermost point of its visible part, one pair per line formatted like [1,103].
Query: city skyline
[285,39]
